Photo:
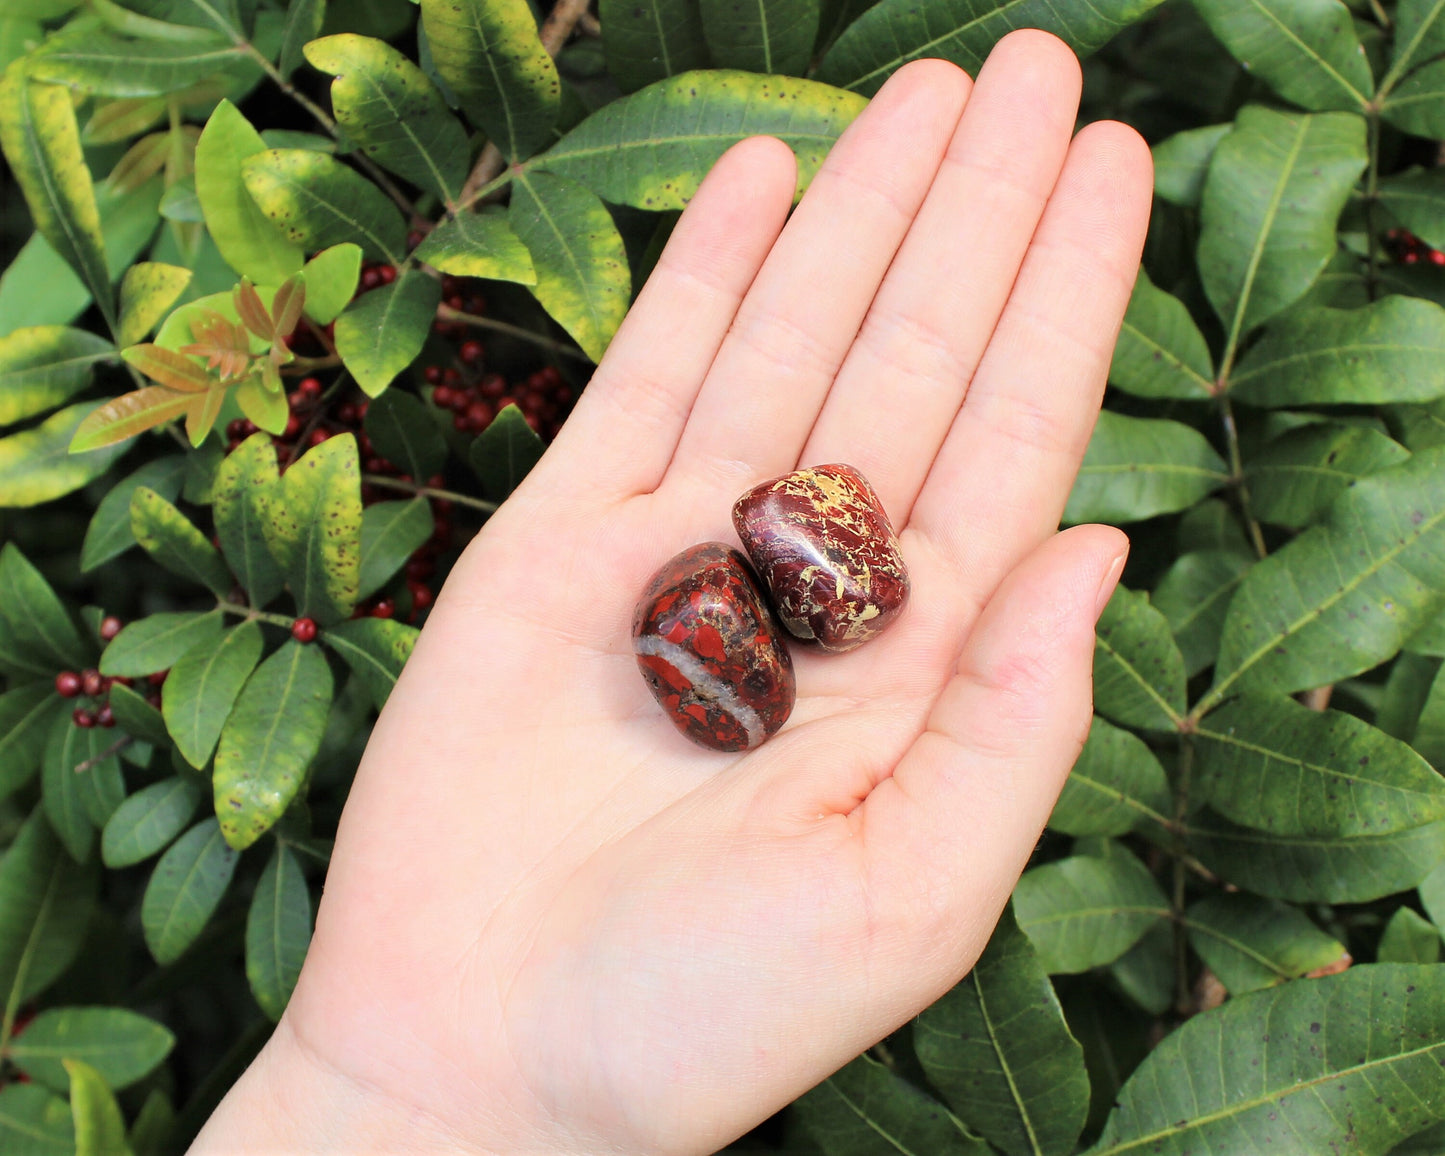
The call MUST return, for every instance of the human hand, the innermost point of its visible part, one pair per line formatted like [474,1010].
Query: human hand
[553,925]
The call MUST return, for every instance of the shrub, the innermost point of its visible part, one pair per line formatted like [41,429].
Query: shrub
[237,314]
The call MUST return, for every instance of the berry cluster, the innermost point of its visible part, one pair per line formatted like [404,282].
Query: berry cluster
[94,686]
[1408,249]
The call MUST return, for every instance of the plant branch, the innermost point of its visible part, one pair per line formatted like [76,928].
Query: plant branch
[1372,196]
[429,492]
[114,749]
[1181,812]
[311,423]
[251,614]
[447,313]
[1236,469]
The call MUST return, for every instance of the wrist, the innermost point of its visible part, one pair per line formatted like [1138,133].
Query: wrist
[291,1101]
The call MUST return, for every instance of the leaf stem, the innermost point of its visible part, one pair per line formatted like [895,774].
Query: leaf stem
[114,749]
[387,483]
[251,614]
[1372,197]
[1236,469]
[561,348]
[1181,812]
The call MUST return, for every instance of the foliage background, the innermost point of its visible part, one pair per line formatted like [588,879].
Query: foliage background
[1229,939]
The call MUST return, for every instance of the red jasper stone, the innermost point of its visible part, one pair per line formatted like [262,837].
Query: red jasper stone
[711,652]
[823,544]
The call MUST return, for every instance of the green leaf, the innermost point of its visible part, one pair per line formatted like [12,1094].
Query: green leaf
[1432,894]
[1274,191]
[649,40]
[331,278]
[771,37]
[147,821]
[1138,670]
[45,905]
[41,141]
[278,931]
[203,687]
[172,539]
[1419,35]
[1084,912]
[35,1123]
[998,1049]
[41,464]
[303,23]
[863,1109]
[147,292]
[375,649]
[1194,597]
[1406,691]
[99,1126]
[312,523]
[1139,467]
[1312,1066]
[1408,938]
[251,245]
[26,716]
[109,533]
[1160,351]
[77,802]
[269,741]
[185,889]
[156,642]
[651,150]
[1428,734]
[1391,350]
[101,63]
[1306,50]
[383,331]
[1181,162]
[1346,594]
[1416,198]
[115,422]
[392,112]
[1252,943]
[138,718]
[490,56]
[120,1045]
[242,481]
[504,453]
[1417,104]
[1269,763]
[151,1130]
[1316,868]
[45,365]
[317,202]
[36,616]
[390,533]
[401,428]
[1115,783]
[1296,476]
[583,279]
[478,245]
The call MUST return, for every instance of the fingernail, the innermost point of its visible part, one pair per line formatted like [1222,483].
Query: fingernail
[1108,582]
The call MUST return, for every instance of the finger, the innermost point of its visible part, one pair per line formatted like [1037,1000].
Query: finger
[763,392]
[901,385]
[1000,481]
[949,832]
[626,425]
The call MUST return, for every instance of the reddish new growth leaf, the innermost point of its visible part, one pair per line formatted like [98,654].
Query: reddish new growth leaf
[169,368]
[250,310]
[286,308]
[224,344]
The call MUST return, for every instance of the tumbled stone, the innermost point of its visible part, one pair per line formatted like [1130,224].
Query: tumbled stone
[712,652]
[824,547]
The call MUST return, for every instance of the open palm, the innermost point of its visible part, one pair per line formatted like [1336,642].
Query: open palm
[552,924]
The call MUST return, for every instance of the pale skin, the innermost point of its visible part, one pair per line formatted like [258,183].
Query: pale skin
[551,924]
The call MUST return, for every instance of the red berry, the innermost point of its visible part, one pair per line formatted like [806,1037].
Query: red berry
[384,608]
[455,302]
[414,238]
[123,680]
[158,678]
[459,423]
[441,328]
[105,716]
[91,683]
[387,273]
[476,304]
[1437,257]
[441,505]
[309,387]
[479,416]
[443,395]
[370,279]
[154,698]
[374,465]
[235,429]
[67,684]
[317,437]
[433,374]
[436,481]
[450,286]
[82,717]
[451,377]
[304,630]
[1409,258]
[471,351]
[347,414]
[421,595]
[293,427]
[420,569]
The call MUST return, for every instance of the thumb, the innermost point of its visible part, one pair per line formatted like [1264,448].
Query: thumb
[952,829]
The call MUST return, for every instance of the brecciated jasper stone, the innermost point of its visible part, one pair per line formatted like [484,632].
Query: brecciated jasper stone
[712,652]
[822,542]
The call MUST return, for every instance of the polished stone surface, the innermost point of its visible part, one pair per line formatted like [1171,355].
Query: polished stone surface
[710,650]
[826,551]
